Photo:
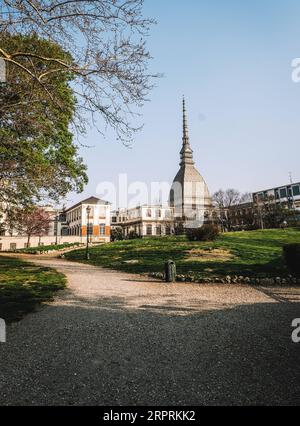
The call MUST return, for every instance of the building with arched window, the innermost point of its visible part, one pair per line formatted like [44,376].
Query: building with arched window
[89,217]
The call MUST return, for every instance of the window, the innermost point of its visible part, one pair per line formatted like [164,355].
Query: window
[158,213]
[0,246]
[158,230]
[64,231]
[102,229]
[167,214]
[194,206]
[92,212]
[12,246]
[168,230]
[114,219]
[102,212]
[260,197]
[149,213]
[296,190]
[149,229]
[283,193]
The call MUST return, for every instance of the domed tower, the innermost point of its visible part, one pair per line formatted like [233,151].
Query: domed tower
[189,195]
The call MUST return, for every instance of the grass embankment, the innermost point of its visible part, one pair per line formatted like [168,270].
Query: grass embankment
[45,249]
[253,254]
[23,286]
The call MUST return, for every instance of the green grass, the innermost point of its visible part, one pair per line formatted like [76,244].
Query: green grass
[253,254]
[24,286]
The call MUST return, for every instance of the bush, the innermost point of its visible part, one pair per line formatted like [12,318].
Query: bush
[291,254]
[116,234]
[42,249]
[132,236]
[179,229]
[208,232]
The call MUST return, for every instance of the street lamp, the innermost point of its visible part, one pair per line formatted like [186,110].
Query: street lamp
[56,229]
[88,211]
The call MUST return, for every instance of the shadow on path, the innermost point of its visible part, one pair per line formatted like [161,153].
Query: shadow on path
[106,353]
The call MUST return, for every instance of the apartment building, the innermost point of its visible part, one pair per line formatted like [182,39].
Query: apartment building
[286,194]
[90,216]
[144,221]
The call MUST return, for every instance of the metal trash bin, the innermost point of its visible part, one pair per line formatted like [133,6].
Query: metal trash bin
[170,271]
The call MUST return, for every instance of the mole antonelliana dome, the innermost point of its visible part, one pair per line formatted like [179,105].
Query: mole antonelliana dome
[189,194]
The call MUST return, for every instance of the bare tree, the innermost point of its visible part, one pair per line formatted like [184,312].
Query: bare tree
[225,200]
[31,222]
[246,198]
[106,40]
[273,214]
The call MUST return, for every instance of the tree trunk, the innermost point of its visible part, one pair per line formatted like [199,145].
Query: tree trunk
[28,240]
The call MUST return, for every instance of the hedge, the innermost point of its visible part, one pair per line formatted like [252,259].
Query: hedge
[291,254]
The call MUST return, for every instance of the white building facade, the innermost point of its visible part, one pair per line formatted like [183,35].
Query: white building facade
[144,221]
[73,225]
[287,194]
[92,217]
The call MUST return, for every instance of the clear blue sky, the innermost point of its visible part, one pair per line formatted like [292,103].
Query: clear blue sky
[232,60]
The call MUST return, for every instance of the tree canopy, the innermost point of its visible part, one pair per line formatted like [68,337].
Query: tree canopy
[38,158]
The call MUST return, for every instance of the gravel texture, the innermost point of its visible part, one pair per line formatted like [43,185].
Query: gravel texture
[117,339]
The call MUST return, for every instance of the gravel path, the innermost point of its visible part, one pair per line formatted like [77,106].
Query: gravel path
[119,339]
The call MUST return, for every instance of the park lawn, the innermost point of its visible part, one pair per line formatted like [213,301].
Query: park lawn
[253,254]
[24,286]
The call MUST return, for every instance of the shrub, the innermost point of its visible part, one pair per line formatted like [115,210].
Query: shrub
[133,236]
[42,249]
[116,234]
[208,232]
[179,228]
[291,254]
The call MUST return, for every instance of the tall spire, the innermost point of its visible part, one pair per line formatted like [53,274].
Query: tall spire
[186,152]
[185,125]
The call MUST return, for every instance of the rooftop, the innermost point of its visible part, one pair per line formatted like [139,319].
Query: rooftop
[90,200]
